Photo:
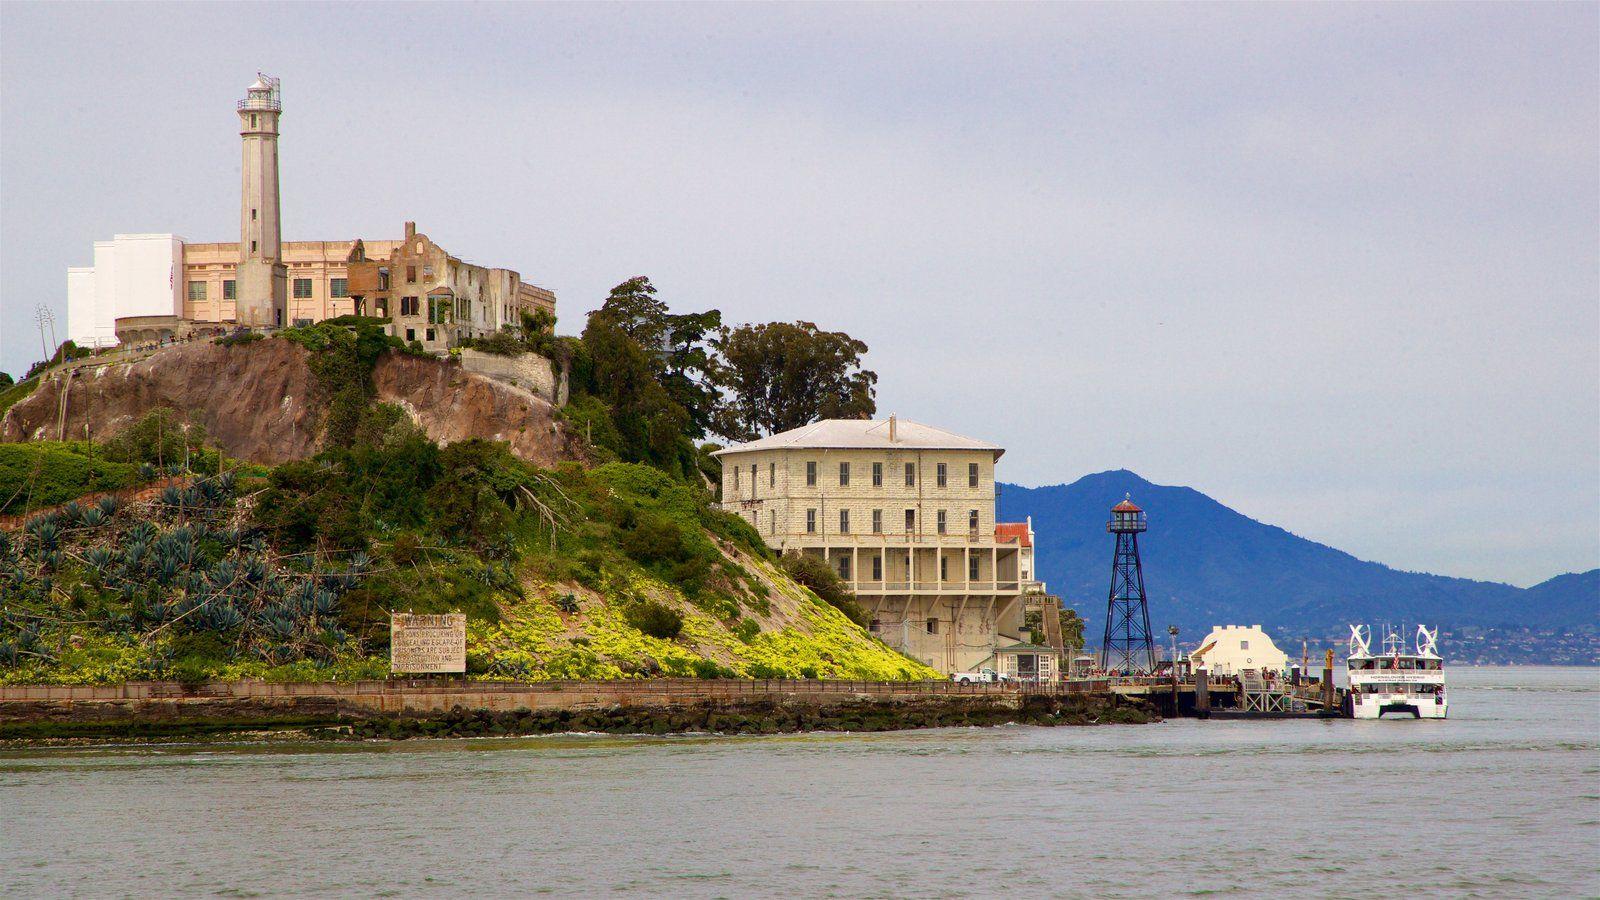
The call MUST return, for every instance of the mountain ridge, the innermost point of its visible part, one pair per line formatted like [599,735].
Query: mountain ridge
[1208,564]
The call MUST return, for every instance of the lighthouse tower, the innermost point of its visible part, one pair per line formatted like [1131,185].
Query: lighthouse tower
[1127,647]
[262,280]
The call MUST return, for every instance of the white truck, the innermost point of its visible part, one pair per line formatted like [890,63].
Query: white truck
[982,676]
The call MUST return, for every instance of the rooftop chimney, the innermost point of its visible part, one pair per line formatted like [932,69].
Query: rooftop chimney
[411,230]
[893,432]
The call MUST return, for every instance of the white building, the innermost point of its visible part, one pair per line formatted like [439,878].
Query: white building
[904,513]
[1234,649]
[132,275]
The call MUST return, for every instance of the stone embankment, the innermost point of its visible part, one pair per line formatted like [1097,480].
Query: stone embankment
[259,402]
[406,708]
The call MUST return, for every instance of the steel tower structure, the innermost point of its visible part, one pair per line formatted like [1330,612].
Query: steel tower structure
[1127,647]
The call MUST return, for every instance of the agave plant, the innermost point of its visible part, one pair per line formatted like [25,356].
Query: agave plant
[71,514]
[45,531]
[147,472]
[109,505]
[142,532]
[255,569]
[92,517]
[172,498]
[99,557]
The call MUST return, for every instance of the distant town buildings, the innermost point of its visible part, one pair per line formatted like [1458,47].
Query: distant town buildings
[149,286]
[905,513]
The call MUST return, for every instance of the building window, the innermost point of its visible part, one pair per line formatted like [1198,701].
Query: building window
[877,521]
[430,334]
[752,480]
[811,521]
[772,521]
[844,567]
[772,474]
[736,478]
[339,287]
[229,291]
[844,521]
[911,520]
[944,567]
[972,474]
[811,474]
[302,288]
[1244,645]
[252,215]
[940,477]
[252,246]
[877,568]
[411,274]
[381,306]
[197,290]
[972,521]
[409,306]
[972,568]
[911,475]
[939,519]
[933,626]
[383,279]
[877,474]
[411,335]
[844,474]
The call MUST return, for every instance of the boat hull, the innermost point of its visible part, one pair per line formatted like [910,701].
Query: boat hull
[1382,706]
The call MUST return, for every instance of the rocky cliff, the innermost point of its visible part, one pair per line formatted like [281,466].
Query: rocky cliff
[259,401]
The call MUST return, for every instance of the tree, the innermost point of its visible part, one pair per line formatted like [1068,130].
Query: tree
[1071,629]
[783,375]
[651,427]
[676,346]
[6,380]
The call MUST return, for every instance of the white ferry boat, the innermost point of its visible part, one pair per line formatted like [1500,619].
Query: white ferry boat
[1397,680]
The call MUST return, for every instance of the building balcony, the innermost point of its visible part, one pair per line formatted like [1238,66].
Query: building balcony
[945,588]
[972,539]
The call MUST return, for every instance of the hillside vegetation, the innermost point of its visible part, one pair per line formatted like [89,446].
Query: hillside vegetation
[290,572]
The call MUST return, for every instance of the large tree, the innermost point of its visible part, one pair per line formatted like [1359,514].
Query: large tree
[677,346]
[783,375]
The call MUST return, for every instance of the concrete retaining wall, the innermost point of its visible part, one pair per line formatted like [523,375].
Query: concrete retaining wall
[170,700]
[530,371]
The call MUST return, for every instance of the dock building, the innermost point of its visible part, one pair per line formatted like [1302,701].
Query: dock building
[1236,649]
[905,513]
[147,286]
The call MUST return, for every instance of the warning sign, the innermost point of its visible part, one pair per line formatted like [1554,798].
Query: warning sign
[424,643]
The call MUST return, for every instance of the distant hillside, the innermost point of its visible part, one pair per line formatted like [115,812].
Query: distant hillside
[1206,564]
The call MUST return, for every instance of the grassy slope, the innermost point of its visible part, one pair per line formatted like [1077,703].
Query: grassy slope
[45,473]
[742,617]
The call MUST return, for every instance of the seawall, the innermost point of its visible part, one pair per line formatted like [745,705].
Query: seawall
[402,708]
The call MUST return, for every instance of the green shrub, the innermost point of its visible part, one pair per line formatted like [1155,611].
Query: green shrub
[815,573]
[655,619]
[234,340]
[746,630]
[16,392]
[46,473]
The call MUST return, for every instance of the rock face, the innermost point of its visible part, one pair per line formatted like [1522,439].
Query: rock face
[454,405]
[259,402]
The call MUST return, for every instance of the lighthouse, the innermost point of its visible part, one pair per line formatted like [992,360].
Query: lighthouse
[1127,648]
[262,279]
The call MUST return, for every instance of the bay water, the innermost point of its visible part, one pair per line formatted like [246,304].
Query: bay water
[1501,800]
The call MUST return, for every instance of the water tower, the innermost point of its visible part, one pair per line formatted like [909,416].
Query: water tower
[1127,646]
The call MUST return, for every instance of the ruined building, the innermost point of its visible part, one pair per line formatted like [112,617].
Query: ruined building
[148,286]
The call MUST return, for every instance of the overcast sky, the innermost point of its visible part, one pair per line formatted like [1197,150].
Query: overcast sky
[1336,266]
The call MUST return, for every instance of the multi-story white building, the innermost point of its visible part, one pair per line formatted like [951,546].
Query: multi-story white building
[905,513]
